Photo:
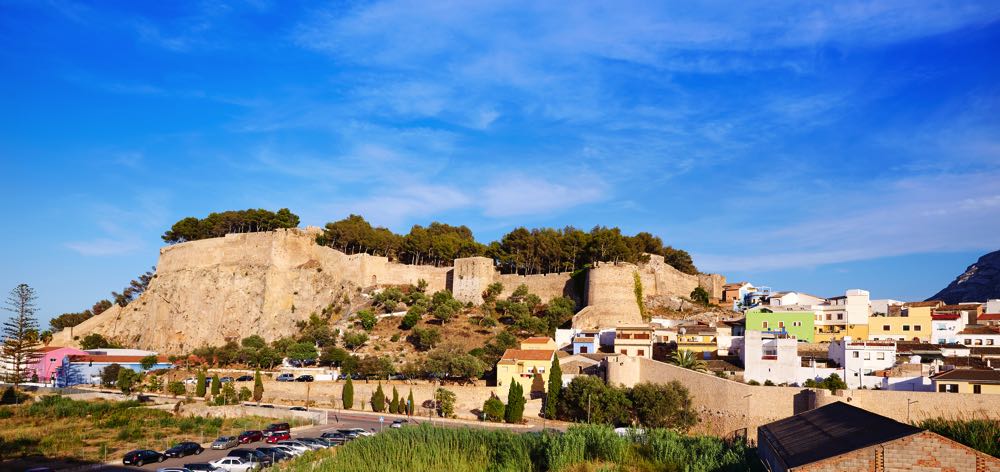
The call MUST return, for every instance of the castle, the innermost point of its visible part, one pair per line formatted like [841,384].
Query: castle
[208,291]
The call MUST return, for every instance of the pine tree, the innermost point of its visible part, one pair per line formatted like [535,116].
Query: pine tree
[216,385]
[378,399]
[410,405]
[258,387]
[515,403]
[555,388]
[394,404]
[20,334]
[348,394]
[199,389]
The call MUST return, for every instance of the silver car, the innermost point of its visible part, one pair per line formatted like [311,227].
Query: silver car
[225,442]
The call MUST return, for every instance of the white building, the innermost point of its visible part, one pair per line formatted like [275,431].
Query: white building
[945,328]
[979,335]
[586,342]
[860,359]
[768,356]
[992,306]
[882,305]
[794,298]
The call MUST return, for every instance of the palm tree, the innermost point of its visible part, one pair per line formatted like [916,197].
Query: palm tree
[687,360]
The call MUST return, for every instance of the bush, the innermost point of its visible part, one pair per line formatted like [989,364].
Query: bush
[515,403]
[493,409]
[109,375]
[663,405]
[982,435]
[426,338]
[445,402]
[367,319]
[412,318]
[378,399]
[176,388]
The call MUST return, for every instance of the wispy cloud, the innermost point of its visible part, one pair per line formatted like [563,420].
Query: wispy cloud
[122,229]
[522,195]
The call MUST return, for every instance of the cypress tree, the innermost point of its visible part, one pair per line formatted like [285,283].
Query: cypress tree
[410,405]
[378,399]
[258,387]
[515,403]
[348,394]
[216,385]
[555,388]
[394,405]
[199,389]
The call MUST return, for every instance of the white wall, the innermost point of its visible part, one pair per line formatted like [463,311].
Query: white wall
[993,306]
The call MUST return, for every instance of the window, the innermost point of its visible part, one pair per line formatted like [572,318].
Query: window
[976,388]
[885,328]
[868,356]
[978,342]
[583,349]
[840,316]
[948,388]
[796,323]
[642,352]
[855,354]
[623,351]
[828,317]
[967,342]
[763,324]
[906,327]
[989,342]
[781,324]
[916,327]
[881,356]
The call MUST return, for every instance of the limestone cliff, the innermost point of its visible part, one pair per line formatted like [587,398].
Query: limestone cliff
[210,291]
[979,282]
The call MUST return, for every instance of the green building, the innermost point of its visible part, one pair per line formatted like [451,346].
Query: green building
[796,323]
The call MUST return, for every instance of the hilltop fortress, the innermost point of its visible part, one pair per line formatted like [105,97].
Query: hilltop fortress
[209,291]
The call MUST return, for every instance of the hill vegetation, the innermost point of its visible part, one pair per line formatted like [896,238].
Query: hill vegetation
[522,250]
[235,221]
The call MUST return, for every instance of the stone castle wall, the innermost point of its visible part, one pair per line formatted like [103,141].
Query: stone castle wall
[210,291]
[726,406]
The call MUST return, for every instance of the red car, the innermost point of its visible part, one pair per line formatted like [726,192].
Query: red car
[248,437]
[278,436]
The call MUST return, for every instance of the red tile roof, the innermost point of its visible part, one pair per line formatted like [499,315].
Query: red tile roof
[945,316]
[970,375]
[537,340]
[960,306]
[528,355]
[114,359]
[989,317]
[933,303]
[979,329]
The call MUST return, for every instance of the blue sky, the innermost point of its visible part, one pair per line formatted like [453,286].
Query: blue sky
[802,145]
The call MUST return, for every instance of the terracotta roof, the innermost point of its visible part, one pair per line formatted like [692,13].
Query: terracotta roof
[945,316]
[49,348]
[537,340]
[979,329]
[114,359]
[960,306]
[933,303]
[583,340]
[527,355]
[989,317]
[970,375]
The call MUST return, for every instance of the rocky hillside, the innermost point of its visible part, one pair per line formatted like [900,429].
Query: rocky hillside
[979,282]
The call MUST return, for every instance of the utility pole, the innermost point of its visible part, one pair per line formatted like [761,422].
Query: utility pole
[588,407]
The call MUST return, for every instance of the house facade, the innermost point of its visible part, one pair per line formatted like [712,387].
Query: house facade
[770,356]
[528,365]
[979,335]
[977,381]
[87,368]
[586,343]
[697,338]
[860,359]
[635,341]
[945,328]
[791,320]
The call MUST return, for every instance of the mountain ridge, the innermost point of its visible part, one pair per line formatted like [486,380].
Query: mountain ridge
[979,282]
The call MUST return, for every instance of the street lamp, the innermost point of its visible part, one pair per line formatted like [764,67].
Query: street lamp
[908,403]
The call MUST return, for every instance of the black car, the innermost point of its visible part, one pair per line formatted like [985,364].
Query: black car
[184,449]
[298,408]
[139,457]
[277,455]
[252,455]
[244,378]
[200,467]
[335,437]
[304,378]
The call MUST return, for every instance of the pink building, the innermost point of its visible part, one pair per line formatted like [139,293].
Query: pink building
[50,360]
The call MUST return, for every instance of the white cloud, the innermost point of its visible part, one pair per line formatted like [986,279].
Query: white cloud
[122,228]
[522,195]
[394,206]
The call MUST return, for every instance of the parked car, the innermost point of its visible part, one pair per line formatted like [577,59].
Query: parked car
[397,377]
[320,443]
[202,467]
[244,378]
[184,449]
[304,378]
[295,445]
[277,455]
[226,379]
[173,469]
[398,423]
[274,427]
[286,377]
[335,437]
[253,456]
[235,464]
[225,442]
[288,450]
[139,457]
[191,380]
[298,408]
[248,437]
[360,431]
[277,436]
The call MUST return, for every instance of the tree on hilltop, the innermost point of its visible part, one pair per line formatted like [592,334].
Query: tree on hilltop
[216,225]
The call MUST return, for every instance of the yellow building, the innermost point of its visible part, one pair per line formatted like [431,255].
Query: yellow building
[521,365]
[697,338]
[636,341]
[977,381]
[910,322]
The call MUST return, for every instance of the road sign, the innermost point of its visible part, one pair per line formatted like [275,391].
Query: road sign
[381,419]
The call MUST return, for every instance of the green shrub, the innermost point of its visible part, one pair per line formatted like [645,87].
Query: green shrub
[493,409]
[980,434]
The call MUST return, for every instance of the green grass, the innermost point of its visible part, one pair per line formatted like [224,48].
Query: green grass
[582,448]
[982,435]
